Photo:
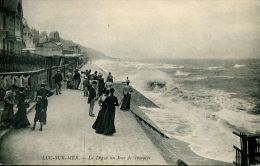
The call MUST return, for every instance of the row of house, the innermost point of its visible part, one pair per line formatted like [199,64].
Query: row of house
[11,26]
[17,37]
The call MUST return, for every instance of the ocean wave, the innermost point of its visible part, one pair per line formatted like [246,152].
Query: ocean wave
[227,77]
[199,116]
[156,84]
[215,68]
[238,66]
[181,73]
[166,66]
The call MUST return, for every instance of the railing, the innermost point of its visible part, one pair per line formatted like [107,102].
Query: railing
[32,79]
[249,153]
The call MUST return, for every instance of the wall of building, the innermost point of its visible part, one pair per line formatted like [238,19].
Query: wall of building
[11,27]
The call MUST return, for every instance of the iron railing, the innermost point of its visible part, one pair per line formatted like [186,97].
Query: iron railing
[249,152]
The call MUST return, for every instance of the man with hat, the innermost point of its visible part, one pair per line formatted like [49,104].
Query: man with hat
[92,97]
[8,112]
[57,79]
[44,93]
[76,78]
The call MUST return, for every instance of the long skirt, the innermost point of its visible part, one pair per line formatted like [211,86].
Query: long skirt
[98,124]
[20,119]
[126,102]
[8,114]
[109,122]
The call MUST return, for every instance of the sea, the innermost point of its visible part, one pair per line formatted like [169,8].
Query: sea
[201,101]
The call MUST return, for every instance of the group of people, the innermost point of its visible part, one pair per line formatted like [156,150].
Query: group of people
[19,119]
[94,87]
[73,79]
[41,106]
[16,95]
[103,92]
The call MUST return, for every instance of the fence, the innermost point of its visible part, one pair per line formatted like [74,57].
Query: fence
[32,79]
[249,153]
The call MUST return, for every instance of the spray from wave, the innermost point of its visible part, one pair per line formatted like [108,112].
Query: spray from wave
[239,66]
[180,73]
[204,118]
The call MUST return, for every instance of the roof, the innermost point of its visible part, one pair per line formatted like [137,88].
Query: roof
[56,43]
[28,49]
[72,55]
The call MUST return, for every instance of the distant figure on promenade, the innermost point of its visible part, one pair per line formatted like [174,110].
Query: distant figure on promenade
[95,76]
[92,97]
[44,93]
[86,73]
[109,116]
[40,112]
[82,77]
[58,79]
[98,124]
[86,85]
[127,90]
[89,74]
[20,117]
[110,77]
[101,84]
[69,79]
[8,112]
[76,79]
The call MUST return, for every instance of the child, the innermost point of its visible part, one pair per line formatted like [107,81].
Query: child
[39,114]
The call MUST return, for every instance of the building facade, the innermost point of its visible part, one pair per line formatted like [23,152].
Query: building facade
[75,48]
[11,26]
[49,48]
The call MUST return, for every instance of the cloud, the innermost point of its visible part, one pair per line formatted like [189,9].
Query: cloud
[154,28]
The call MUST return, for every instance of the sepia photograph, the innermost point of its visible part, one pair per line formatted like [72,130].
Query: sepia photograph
[130,82]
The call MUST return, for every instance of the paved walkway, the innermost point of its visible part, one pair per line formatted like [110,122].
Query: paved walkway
[68,138]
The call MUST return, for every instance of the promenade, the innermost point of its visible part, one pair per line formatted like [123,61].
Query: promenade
[68,138]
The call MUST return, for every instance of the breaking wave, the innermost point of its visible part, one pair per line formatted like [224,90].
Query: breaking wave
[239,66]
[215,68]
[202,117]
[180,73]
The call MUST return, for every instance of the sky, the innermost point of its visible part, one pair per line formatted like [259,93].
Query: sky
[154,28]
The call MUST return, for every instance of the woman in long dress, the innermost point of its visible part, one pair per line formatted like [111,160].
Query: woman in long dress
[103,107]
[20,117]
[125,105]
[109,117]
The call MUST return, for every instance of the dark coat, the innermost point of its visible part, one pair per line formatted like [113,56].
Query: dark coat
[44,93]
[108,124]
[76,76]
[57,77]
[98,124]
[39,114]
[101,86]
[92,94]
